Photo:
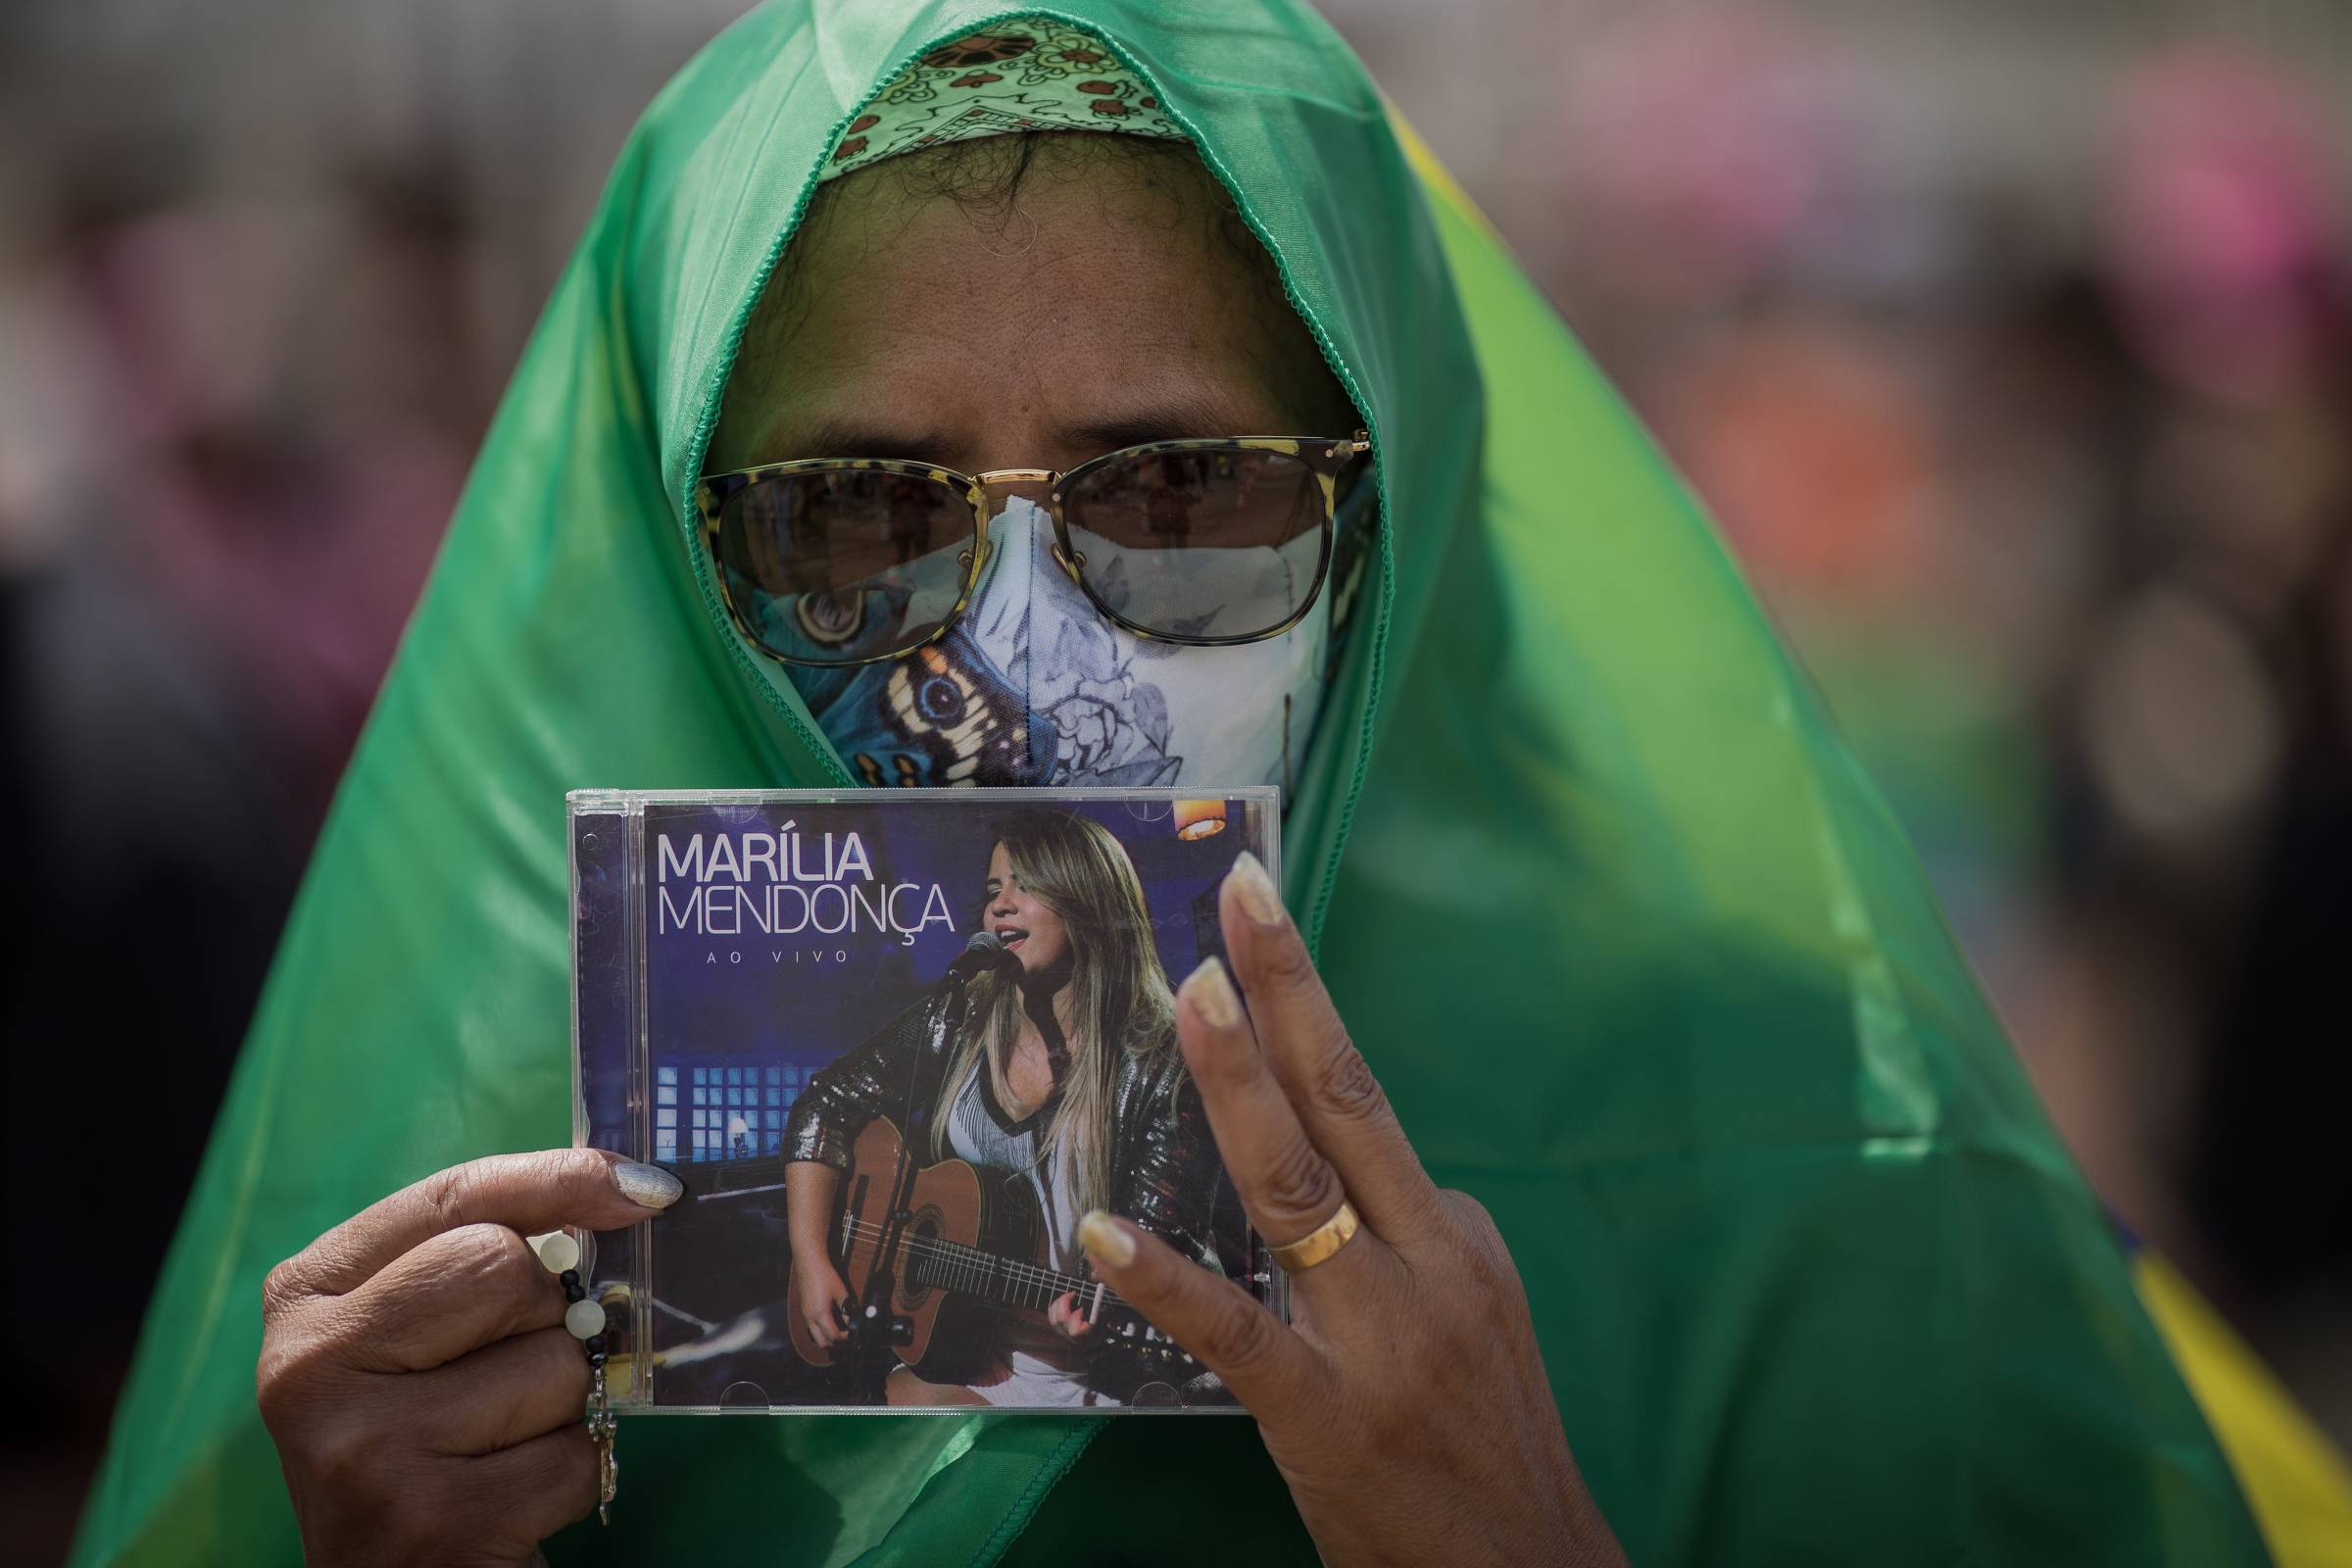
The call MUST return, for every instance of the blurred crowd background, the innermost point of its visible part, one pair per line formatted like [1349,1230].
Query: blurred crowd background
[2011,343]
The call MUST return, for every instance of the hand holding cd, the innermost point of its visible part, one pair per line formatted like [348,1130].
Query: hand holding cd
[1405,1404]
[425,1397]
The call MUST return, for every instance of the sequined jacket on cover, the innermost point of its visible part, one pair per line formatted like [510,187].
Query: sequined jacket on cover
[1164,1171]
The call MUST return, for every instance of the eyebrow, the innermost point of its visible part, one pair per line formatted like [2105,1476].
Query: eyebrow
[842,438]
[1165,422]
[1172,421]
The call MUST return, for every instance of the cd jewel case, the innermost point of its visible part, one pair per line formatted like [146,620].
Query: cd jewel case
[894,1045]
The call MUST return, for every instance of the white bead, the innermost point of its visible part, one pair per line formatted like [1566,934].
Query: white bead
[585,1319]
[556,1251]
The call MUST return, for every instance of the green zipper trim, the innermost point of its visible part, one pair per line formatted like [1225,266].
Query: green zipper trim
[1024,1507]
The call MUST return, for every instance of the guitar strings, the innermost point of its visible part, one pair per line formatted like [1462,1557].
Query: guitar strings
[971,1261]
[961,1258]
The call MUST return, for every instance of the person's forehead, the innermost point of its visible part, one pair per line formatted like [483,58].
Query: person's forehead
[1070,241]
[1109,313]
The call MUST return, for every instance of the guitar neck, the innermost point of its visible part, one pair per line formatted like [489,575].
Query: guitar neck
[1001,1278]
[931,1262]
[953,1266]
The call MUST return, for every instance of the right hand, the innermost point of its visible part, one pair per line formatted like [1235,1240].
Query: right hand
[818,1294]
[416,1375]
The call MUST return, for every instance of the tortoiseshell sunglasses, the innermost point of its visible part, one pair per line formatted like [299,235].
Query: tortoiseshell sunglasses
[850,561]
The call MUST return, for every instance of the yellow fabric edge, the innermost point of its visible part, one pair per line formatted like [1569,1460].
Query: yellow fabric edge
[2297,1483]
[1434,176]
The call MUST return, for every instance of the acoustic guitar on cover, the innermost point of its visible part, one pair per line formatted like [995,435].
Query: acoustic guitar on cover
[962,1248]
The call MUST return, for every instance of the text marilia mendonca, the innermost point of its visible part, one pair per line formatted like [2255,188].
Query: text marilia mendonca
[783,884]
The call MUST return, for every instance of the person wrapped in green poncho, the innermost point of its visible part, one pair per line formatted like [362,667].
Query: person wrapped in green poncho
[1637,954]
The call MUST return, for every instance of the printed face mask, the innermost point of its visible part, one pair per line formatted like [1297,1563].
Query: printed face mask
[1034,686]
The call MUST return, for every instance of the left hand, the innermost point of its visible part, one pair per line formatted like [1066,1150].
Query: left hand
[1406,1402]
[1064,1315]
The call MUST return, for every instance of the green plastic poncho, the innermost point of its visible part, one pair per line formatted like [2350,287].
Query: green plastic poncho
[1637,949]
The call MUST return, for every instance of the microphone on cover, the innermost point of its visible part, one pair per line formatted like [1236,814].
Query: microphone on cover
[981,954]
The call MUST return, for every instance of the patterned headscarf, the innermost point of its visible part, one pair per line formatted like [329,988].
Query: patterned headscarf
[1028,73]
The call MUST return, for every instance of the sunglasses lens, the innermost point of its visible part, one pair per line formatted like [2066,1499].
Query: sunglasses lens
[843,565]
[1203,543]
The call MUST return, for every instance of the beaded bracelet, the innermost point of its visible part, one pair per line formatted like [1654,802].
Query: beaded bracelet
[584,1319]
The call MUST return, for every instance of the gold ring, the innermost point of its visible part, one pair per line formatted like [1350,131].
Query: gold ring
[1320,1243]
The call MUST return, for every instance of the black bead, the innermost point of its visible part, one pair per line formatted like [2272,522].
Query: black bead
[595,1343]
[568,1277]
[574,1293]
[595,1358]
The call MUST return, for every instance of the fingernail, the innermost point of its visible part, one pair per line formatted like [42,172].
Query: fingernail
[1211,994]
[1256,889]
[647,1186]
[1105,1241]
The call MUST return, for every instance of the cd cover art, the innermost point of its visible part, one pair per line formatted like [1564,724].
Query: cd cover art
[895,1045]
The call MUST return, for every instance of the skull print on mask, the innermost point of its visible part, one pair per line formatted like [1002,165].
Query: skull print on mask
[1033,685]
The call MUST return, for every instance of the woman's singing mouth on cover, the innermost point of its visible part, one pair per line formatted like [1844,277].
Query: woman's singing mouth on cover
[1013,936]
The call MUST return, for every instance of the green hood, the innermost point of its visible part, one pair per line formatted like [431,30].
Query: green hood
[1637,949]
